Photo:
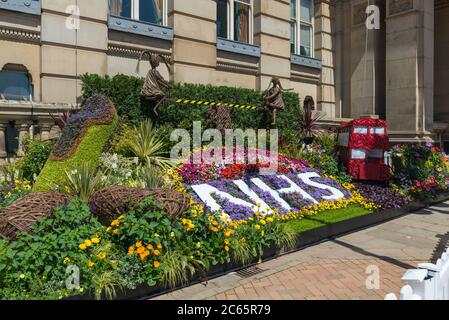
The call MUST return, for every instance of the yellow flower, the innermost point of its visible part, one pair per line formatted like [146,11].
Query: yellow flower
[156,252]
[138,244]
[226,248]
[156,264]
[262,222]
[214,229]
[90,264]
[215,223]
[140,250]
[116,231]
[159,245]
[115,223]
[270,219]
[144,255]
[95,240]
[101,255]
[131,250]
[66,260]
[22,276]
[226,241]
[82,246]
[257,226]
[150,247]
[88,243]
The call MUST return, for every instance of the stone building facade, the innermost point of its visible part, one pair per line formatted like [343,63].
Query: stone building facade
[397,68]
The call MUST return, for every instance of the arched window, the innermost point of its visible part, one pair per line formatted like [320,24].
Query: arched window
[235,20]
[15,83]
[152,11]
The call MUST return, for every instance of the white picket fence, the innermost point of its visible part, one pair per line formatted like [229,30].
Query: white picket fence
[428,282]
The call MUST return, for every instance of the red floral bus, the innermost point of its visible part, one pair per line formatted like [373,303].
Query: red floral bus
[362,145]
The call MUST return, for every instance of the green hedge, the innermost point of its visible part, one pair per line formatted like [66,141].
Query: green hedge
[124,92]
[89,150]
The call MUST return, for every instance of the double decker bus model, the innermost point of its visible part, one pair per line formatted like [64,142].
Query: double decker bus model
[362,147]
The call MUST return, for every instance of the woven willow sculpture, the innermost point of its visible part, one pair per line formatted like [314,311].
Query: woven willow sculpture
[24,212]
[111,201]
[155,83]
[219,118]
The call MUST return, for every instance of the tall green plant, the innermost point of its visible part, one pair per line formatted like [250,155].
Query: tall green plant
[82,182]
[148,147]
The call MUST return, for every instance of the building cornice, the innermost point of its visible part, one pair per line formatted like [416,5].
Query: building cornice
[19,34]
[116,49]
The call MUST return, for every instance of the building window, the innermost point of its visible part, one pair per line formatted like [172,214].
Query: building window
[151,11]
[15,83]
[235,20]
[302,20]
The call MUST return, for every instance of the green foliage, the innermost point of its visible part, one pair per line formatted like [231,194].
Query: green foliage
[420,171]
[151,178]
[124,91]
[148,147]
[36,153]
[82,182]
[40,255]
[327,141]
[11,171]
[118,170]
[89,150]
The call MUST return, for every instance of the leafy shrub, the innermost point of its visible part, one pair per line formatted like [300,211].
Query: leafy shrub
[11,171]
[421,171]
[121,142]
[36,153]
[39,260]
[124,91]
[118,170]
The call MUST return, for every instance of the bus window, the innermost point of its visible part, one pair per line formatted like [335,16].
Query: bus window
[361,130]
[378,130]
[358,154]
[375,154]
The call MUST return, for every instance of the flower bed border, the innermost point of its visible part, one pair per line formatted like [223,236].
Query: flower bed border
[306,239]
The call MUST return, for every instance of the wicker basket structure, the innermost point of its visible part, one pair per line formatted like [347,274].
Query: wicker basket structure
[23,213]
[109,202]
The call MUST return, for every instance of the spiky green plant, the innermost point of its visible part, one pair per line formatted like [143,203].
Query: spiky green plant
[106,283]
[148,147]
[178,266]
[151,177]
[82,182]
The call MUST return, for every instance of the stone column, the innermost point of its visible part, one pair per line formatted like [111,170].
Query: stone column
[325,51]
[195,38]
[3,152]
[45,131]
[23,132]
[272,34]
[409,65]
[364,56]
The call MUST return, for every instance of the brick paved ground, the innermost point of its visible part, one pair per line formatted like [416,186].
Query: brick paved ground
[337,269]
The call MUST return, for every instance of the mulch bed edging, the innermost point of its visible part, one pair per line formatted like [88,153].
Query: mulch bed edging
[306,239]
